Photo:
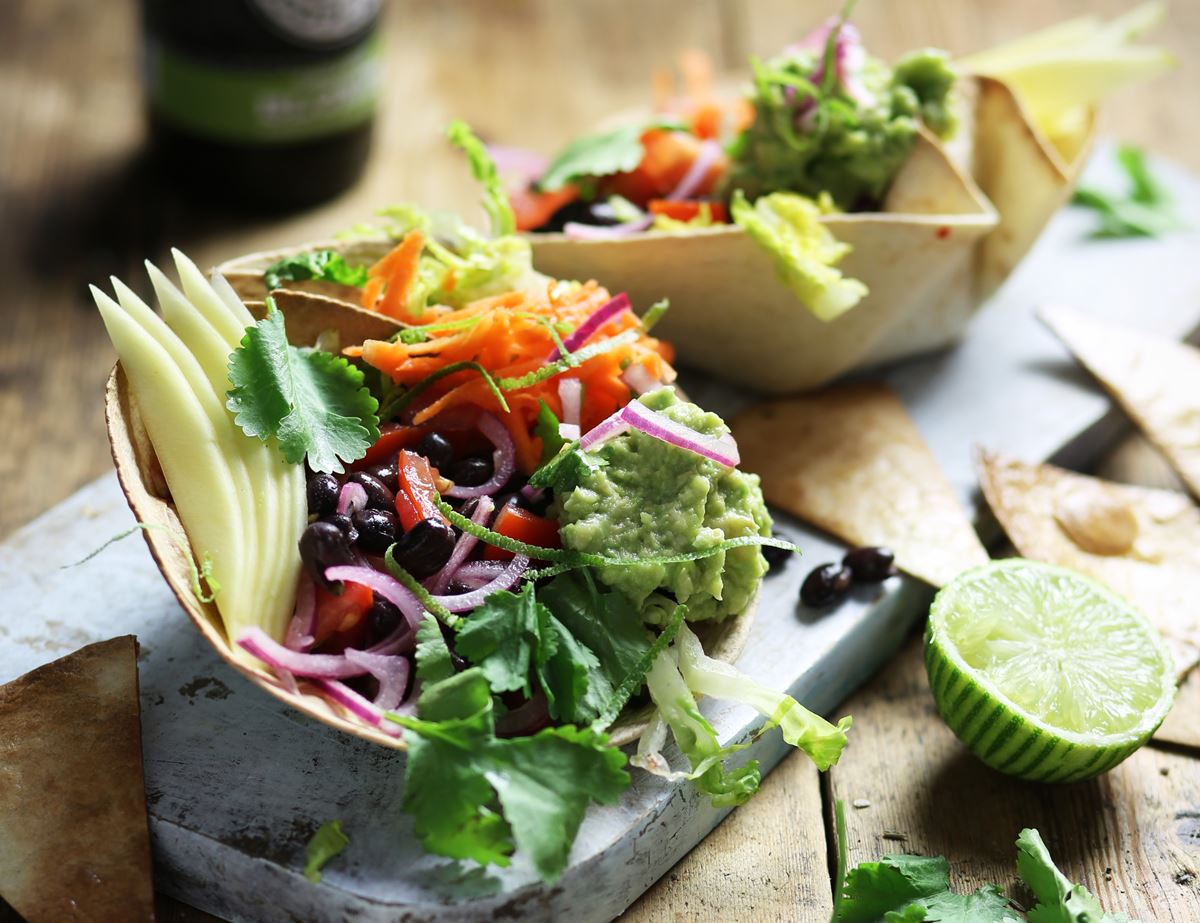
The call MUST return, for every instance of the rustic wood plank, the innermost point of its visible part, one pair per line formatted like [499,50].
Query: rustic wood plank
[910,786]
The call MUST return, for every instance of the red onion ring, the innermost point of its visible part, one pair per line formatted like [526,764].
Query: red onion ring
[570,393]
[504,460]
[568,431]
[358,706]
[385,585]
[708,154]
[390,669]
[506,580]
[351,498]
[484,571]
[609,428]
[314,666]
[463,547]
[575,230]
[594,322]
[518,162]
[299,635]
[639,379]
[723,450]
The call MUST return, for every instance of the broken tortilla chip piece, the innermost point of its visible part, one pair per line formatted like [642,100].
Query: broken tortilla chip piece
[74,842]
[1155,380]
[1142,543]
[850,461]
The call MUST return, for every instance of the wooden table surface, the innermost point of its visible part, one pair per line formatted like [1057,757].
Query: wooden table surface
[78,202]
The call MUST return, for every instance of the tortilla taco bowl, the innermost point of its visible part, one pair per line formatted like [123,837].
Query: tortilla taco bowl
[149,499]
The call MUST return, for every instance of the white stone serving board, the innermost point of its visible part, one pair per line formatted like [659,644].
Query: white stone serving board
[236,782]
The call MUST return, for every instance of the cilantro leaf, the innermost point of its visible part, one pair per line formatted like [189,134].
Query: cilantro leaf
[616,151]
[483,168]
[314,403]
[1144,210]
[475,796]
[501,636]
[434,662]
[566,470]
[1058,899]
[546,429]
[327,842]
[903,888]
[327,265]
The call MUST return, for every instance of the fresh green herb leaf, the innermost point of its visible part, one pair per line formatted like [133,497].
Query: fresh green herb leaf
[654,314]
[566,469]
[312,402]
[502,636]
[483,168]
[1058,899]
[326,265]
[475,796]
[635,676]
[546,429]
[327,842]
[1143,210]
[617,151]
[434,662]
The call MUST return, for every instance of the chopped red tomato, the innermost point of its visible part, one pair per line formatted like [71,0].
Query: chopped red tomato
[524,526]
[390,442]
[341,618]
[533,209]
[418,490]
[688,209]
[669,155]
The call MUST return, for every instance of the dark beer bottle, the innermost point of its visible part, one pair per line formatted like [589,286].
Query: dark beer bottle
[267,103]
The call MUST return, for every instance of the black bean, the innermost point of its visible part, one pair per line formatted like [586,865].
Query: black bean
[871,564]
[436,448]
[378,495]
[383,618]
[425,548]
[776,557]
[470,471]
[389,475]
[827,584]
[343,522]
[322,494]
[324,545]
[377,529]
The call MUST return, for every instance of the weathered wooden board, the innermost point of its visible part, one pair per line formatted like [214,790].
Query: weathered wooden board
[237,783]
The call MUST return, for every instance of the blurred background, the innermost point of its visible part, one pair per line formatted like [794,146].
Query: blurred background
[80,199]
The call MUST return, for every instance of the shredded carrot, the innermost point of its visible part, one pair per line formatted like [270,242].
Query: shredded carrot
[510,335]
[393,275]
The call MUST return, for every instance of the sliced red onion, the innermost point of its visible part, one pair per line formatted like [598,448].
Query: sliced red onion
[390,669]
[315,666]
[570,390]
[602,432]
[358,706]
[575,230]
[299,635]
[288,681]
[385,585]
[639,379]
[507,578]
[723,450]
[463,547]
[518,162]
[568,431]
[504,460]
[594,322]
[706,157]
[532,494]
[849,57]
[485,571]
[351,498]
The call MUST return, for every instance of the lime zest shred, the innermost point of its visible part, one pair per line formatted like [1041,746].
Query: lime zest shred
[201,574]
[637,675]
[398,406]
[569,361]
[654,314]
[413,585]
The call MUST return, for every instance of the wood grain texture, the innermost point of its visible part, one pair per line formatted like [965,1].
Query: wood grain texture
[79,201]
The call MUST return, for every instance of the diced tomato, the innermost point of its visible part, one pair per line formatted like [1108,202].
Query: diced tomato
[533,209]
[418,490]
[669,155]
[688,209]
[390,442]
[341,619]
[524,526]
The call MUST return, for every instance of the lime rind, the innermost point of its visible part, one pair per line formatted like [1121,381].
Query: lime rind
[1044,673]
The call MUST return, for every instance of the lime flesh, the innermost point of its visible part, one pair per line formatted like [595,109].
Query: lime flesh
[1043,673]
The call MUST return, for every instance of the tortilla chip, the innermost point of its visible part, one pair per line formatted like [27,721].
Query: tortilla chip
[74,839]
[850,460]
[1044,511]
[1155,380]
[1021,172]
[245,273]
[307,315]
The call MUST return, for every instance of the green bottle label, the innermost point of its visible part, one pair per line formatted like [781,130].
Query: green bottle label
[261,105]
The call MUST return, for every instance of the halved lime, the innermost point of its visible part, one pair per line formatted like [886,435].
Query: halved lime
[1043,673]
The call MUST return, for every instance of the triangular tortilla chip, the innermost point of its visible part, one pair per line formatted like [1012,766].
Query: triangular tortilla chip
[74,842]
[1155,380]
[1142,543]
[850,460]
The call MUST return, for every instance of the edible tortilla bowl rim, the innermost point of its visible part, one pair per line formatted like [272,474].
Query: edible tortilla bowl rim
[153,510]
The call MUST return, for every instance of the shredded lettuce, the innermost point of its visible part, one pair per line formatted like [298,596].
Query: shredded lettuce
[327,842]
[788,226]
[483,168]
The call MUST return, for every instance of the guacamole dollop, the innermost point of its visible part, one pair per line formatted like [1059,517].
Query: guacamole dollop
[648,498]
[811,139]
